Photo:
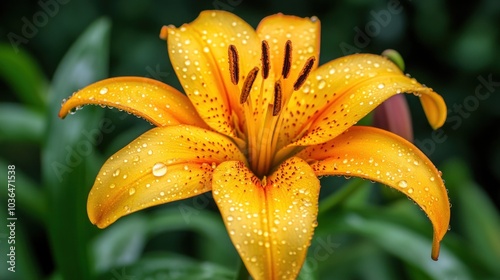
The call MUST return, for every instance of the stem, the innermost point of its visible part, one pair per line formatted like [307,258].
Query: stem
[335,199]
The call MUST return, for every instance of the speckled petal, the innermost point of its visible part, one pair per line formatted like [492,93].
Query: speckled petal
[199,54]
[304,34]
[270,222]
[341,92]
[162,165]
[381,156]
[152,100]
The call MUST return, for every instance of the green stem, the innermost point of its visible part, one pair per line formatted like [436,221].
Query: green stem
[242,272]
[338,197]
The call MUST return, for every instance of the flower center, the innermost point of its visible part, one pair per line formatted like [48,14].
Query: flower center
[262,117]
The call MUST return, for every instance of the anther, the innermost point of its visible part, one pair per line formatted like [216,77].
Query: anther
[287,59]
[247,85]
[266,64]
[304,73]
[277,98]
[234,70]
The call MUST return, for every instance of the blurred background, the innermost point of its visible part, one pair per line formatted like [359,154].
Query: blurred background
[51,48]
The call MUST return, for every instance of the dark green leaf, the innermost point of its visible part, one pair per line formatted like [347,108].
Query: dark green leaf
[20,124]
[24,76]
[67,157]
[169,266]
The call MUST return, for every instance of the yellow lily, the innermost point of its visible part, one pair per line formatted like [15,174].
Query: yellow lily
[260,122]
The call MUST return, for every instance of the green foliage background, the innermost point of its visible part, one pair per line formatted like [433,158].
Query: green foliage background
[366,231]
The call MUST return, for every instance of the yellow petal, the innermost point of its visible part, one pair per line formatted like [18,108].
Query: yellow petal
[270,222]
[341,92]
[199,54]
[162,165]
[152,100]
[304,33]
[381,156]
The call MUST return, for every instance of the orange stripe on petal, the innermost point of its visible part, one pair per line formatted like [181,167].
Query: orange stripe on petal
[199,54]
[152,100]
[162,165]
[381,156]
[270,222]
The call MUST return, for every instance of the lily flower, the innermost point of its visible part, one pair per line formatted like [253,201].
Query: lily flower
[259,123]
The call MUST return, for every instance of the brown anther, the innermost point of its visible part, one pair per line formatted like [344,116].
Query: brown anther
[234,70]
[277,98]
[266,64]
[304,73]
[287,59]
[247,84]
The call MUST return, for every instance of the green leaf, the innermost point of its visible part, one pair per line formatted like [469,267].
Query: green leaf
[169,266]
[23,75]
[214,245]
[120,244]
[411,247]
[30,199]
[21,124]
[69,152]
[479,219]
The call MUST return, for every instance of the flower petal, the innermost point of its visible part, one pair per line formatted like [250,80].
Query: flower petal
[270,222]
[341,92]
[381,156]
[152,100]
[199,54]
[162,165]
[304,33]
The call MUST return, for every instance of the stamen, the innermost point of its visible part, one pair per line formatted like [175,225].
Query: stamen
[277,98]
[287,60]
[247,85]
[304,73]
[234,70]
[266,64]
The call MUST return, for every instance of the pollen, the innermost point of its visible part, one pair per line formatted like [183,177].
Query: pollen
[234,70]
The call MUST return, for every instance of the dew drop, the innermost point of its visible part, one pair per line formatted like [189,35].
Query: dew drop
[112,186]
[403,184]
[321,84]
[159,169]
[116,173]
[381,86]
[410,190]
[103,90]
[131,191]
[432,179]
[136,158]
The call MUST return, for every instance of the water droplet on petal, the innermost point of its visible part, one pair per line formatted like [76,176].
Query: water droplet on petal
[381,86]
[136,158]
[321,84]
[112,186]
[410,190]
[131,191]
[403,184]
[103,90]
[116,173]
[159,169]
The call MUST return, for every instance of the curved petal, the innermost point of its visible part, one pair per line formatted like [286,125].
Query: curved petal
[199,54]
[381,156]
[270,222]
[304,33]
[343,91]
[162,165]
[152,100]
